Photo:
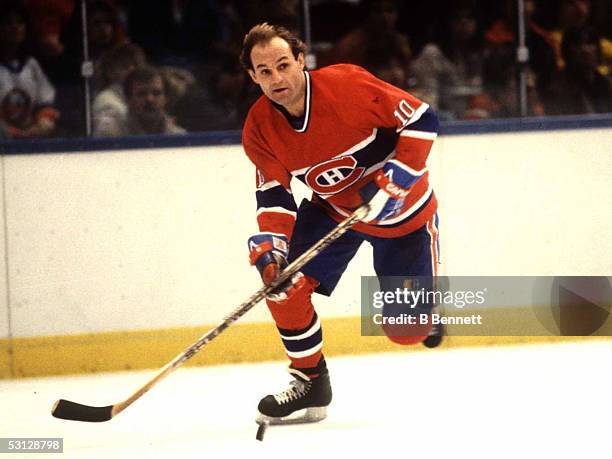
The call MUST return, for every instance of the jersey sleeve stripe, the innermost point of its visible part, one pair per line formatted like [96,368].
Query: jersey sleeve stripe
[408,169]
[268,185]
[272,234]
[426,123]
[275,197]
[276,210]
[419,135]
[417,115]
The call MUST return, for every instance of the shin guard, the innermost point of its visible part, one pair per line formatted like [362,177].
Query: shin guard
[299,326]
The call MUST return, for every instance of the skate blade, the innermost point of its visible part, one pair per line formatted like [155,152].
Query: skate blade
[303,416]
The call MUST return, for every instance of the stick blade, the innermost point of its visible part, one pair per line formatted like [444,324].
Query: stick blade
[71,411]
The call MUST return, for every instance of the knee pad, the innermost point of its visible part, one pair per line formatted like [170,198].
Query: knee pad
[406,334]
[297,310]
[406,340]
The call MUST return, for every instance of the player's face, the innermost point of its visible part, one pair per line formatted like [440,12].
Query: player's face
[279,74]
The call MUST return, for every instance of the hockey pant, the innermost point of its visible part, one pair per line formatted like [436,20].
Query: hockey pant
[415,254]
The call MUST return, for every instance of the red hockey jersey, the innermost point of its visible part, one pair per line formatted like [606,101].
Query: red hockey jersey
[353,123]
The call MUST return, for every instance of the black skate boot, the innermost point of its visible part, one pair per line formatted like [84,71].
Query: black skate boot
[436,334]
[305,401]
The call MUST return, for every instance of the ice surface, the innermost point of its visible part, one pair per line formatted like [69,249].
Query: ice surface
[524,401]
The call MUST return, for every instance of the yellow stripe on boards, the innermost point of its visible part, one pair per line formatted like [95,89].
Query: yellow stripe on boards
[247,342]
[5,359]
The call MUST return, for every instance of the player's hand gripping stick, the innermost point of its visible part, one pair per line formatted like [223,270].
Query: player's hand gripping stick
[268,252]
[386,194]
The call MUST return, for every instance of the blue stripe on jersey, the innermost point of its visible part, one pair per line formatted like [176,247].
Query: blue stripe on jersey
[428,122]
[276,197]
[375,152]
[301,345]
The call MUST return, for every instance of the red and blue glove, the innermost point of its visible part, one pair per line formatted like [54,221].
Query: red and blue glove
[386,194]
[268,252]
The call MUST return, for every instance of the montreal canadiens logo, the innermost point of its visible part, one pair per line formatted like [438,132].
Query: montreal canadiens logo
[333,176]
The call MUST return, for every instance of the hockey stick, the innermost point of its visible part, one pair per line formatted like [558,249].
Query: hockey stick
[65,409]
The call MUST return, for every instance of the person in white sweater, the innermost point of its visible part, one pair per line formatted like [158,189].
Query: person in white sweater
[110,107]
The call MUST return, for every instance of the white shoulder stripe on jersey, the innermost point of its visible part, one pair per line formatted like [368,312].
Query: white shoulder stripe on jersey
[417,116]
[276,210]
[361,145]
[408,169]
[419,135]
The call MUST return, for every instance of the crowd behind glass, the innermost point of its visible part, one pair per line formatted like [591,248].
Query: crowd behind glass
[171,66]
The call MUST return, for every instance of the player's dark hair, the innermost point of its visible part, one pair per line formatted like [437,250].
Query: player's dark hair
[263,33]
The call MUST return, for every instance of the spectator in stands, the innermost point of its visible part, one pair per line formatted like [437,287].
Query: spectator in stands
[225,98]
[110,108]
[567,14]
[179,84]
[449,72]
[579,88]
[387,61]
[49,17]
[364,41]
[500,96]
[390,69]
[26,95]
[104,30]
[145,91]
[500,37]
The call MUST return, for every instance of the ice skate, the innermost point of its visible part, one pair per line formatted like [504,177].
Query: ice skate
[305,401]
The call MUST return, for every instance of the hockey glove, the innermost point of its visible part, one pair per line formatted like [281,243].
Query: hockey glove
[387,192]
[268,252]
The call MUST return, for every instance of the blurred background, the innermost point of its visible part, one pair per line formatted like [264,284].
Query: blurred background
[109,68]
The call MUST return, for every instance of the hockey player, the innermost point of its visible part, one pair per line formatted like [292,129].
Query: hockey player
[349,137]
